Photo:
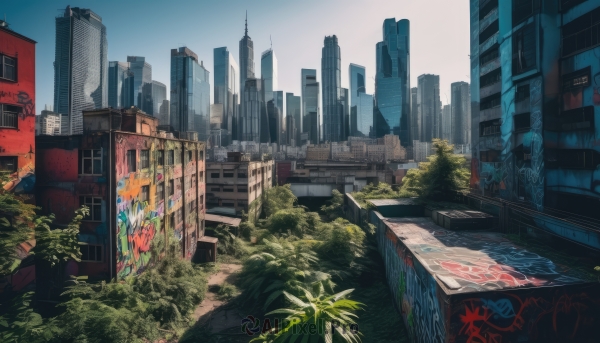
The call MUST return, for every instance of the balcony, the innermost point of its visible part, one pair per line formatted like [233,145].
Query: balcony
[8,118]
[488,20]
[489,66]
[483,47]
[490,113]
[489,90]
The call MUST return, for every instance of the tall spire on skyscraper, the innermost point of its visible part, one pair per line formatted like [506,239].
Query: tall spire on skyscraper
[246,31]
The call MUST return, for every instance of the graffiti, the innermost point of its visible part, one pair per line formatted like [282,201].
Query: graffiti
[21,98]
[22,181]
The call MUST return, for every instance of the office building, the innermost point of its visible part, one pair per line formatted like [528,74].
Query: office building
[361,104]
[120,85]
[80,65]
[414,114]
[47,123]
[278,102]
[293,107]
[461,113]
[254,125]
[274,117]
[447,125]
[246,52]
[392,78]
[333,118]
[226,90]
[429,106]
[151,185]
[142,83]
[268,71]
[311,114]
[159,95]
[190,94]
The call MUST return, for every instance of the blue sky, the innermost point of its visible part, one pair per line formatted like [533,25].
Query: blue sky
[151,28]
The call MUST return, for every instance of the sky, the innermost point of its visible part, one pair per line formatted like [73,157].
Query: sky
[297,28]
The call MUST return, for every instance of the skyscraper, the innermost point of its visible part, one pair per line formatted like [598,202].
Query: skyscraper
[294,111]
[274,118]
[159,94]
[120,85]
[461,113]
[226,89]
[246,65]
[80,65]
[430,106]
[414,116]
[361,104]
[311,116]
[254,125]
[190,93]
[345,111]
[268,71]
[447,127]
[142,83]
[333,121]
[278,101]
[392,79]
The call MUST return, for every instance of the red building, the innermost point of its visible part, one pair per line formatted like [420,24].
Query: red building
[17,109]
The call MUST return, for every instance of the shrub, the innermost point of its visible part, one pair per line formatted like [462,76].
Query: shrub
[278,198]
[293,221]
[227,291]
[341,242]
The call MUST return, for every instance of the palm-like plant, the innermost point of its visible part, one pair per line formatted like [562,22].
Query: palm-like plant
[280,266]
[326,315]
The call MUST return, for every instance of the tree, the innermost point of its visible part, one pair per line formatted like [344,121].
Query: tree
[333,315]
[335,207]
[342,242]
[279,198]
[443,172]
[293,221]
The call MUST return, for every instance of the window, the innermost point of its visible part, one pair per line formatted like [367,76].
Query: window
[91,253]
[491,78]
[215,175]
[145,194]
[242,174]
[201,176]
[488,57]
[179,215]
[577,119]
[229,190]
[490,102]
[191,206]
[171,187]
[170,157]
[524,49]
[160,157]
[172,220]
[9,116]
[522,93]
[522,121]
[228,204]
[215,189]
[188,156]
[95,206]
[201,155]
[131,162]
[242,190]
[160,192]
[523,9]
[8,164]
[145,159]
[572,159]
[567,4]
[8,68]
[177,157]
[582,33]
[227,174]
[489,156]
[201,202]
[90,162]
[576,79]
[488,32]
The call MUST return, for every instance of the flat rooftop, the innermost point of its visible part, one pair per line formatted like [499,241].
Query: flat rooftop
[468,261]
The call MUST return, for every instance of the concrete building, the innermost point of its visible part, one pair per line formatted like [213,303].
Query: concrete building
[461,113]
[226,90]
[430,107]
[422,150]
[139,184]
[47,123]
[320,152]
[234,185]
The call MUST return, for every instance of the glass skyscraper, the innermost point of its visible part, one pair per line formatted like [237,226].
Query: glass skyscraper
[142,83]
[268,71]
[254,125]
[226,89]
[278,101]
[429,106]
[120,85]
[361,104]
[392,79]
[159,94]
[190,94]
[311,117]
[294,111]
[461,113]
[80,65]
[333,118]
[246,69]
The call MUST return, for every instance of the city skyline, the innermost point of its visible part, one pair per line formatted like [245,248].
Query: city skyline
[358,43]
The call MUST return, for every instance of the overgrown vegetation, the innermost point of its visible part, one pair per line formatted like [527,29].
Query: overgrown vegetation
[379,191]
[443,172]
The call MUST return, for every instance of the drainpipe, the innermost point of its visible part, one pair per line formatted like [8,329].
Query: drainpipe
[111,201]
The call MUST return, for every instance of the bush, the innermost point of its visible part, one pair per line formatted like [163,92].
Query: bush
[341,242]
[335,207]
[227,291]
[278,198]
[381,191]
[293,221]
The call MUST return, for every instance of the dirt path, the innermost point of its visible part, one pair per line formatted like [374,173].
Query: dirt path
[211,312]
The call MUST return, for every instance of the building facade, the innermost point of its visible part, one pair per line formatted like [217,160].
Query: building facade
[159,95]
[47,123]
[253,120]
[142,83]
[429,106]
[80,65]
[311,114]
[447,125]
[190,94]
[17,110]
[120,85]
[461,113]
[268,73]
[361,104]
[140,186]
[392,78]
[333,118]
[293,110]
[226,89]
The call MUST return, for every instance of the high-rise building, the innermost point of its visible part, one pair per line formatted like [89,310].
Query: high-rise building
[253,120]
[268,71]
[47,123]
[190,94]
[333,119]
[159,95]
[392,78]
[361,104]
[461,113]
[164,111]
[430,107]
[274,118]
[311,116]
[142,83]
[120,85]
[246,68]
[80,65]
[447,126]
[226,89]
[414,115]
[345,110]
[278,101]
[293,113]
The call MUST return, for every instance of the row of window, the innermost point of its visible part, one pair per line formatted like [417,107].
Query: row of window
[230,189]
[555,158]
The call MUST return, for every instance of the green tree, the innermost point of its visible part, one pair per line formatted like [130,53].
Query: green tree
[335,207]
[341,243]
[293,221]
[443,172]
[279,198]
[332,314]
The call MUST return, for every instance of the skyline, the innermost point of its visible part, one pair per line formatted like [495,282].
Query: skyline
[295,49]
